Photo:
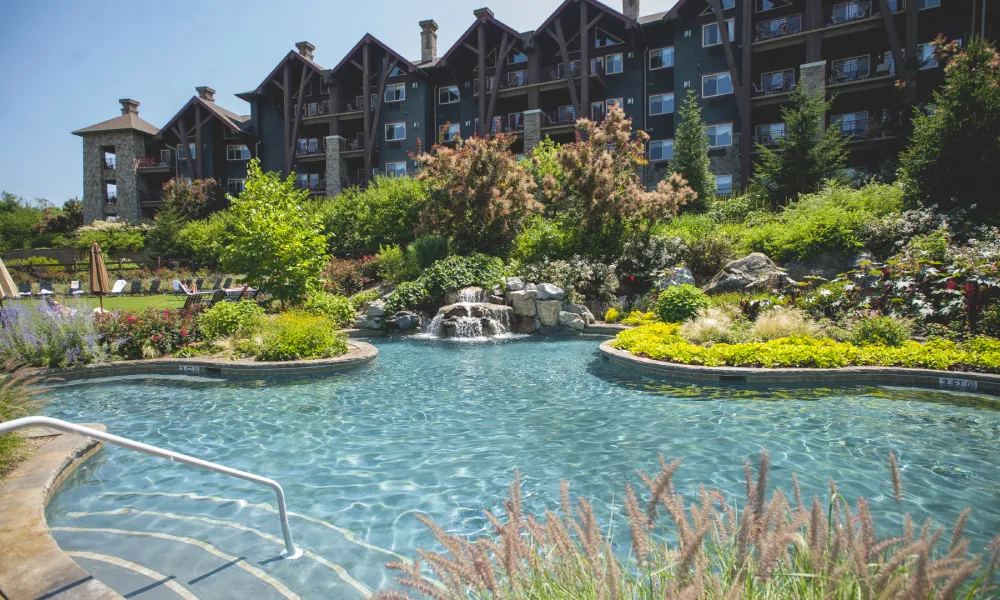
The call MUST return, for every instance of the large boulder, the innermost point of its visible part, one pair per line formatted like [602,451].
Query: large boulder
[526,325]
[751,273]
[826,265]
[403,320]
[369,323]
[583,311]
[572,320]
[524,303]
[514,284]
[375,308]
[674,276]
[454,311]
[549,291]
[548,311]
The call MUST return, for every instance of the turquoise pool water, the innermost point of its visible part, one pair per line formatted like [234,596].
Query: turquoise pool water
[438,428]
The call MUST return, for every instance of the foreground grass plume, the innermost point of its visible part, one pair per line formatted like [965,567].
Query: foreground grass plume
[704,548]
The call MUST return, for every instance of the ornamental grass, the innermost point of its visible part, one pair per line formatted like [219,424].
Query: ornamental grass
[704,548]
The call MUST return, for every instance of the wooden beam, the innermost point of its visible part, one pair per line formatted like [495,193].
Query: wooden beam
[894,46]
[199,160]
[501,56]
[355,63]
[740,86]
[182,133]
[387,68]
[366,105]
[912,25]
[278,85]
[561,40]
[594,21]
[286,114]
[470,47]
[582,111]
[481,79]
[304,78]
[746,126]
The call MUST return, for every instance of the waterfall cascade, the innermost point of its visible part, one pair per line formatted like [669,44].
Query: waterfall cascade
[471,317]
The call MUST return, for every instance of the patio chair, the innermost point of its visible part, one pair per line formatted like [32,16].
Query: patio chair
[119,287]
[24,289]
[193,300]
[199,283]
[217,284]
[180,288]
[154,287]
[218,295]
[45,288]
[74,288]
[136,287]
[227,283]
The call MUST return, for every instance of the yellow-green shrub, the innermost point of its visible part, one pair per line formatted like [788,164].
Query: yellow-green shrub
[295,336]
[612,315]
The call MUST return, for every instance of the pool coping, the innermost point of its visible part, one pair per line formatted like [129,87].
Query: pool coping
[360,354]
[42,569]
[929,378]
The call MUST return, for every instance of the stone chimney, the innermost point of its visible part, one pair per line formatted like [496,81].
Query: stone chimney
[630,8]
[306,49]
[428,40]
[482,13]
[205,93]
[129,106]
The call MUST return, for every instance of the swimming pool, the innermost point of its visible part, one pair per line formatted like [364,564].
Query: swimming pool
[438,428]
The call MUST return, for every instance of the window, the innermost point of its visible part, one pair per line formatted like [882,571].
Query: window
[395,92]
[191,153]
[661,104]
[661,150]
[610,102]
[395,169]
[236,186]
[237,152]
[661,58]
[396,72]
[719,135]
[922,4]
[851,124]
[597,110]
[723,184]
[516,121]
[762,5]
[710,33]
[305,146]
[110,159]
[452,131]
[613,64]
[516,58]
[231,134]
[111,192]
[603,39]
[726,5]
[925,56]
[716,84]
[448,94]
[769,134]
[395,132]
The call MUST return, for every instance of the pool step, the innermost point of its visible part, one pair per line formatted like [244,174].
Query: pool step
[104,567]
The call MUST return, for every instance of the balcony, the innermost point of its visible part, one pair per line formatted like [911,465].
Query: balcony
[310,148]
[566,115]
[153,163]
[316,109]
[313,186]
[843,71]
[151,198]
[772,84]
[847,12]
[775,28]
[558,72]
[357,104]
[768,139]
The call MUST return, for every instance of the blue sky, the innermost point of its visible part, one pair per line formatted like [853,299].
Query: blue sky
[64,64]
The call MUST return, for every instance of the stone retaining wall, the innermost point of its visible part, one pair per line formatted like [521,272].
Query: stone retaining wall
[970,382]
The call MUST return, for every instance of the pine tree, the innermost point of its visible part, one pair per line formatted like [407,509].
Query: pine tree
[690,159]
[805,155]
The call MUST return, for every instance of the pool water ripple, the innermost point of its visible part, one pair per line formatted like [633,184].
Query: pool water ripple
[438,429]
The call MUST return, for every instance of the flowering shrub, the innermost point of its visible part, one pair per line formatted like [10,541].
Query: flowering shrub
[296,336]
[36,334]
[580,278]
[345,277]
[150,334]
[113,236]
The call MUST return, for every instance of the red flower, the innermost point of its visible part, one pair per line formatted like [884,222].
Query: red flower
[130,319]
[952,284]
[631,277]
[183,333]
[166,311]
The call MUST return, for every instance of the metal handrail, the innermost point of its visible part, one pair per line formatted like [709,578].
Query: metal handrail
[290,550]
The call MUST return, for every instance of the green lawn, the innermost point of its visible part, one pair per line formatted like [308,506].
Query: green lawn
[159,301]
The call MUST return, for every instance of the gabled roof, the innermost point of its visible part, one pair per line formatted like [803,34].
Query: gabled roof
[292,55]
[371,38]
[488,18]
[598,5]
[653,18]
[130,121]
[230,119]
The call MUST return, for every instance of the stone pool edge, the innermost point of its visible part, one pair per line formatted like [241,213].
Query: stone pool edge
[927,378]
[360,354]
[42,569]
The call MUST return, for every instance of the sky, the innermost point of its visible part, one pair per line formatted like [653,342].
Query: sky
[64,64]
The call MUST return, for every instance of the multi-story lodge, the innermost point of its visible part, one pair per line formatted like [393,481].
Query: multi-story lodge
[340,126]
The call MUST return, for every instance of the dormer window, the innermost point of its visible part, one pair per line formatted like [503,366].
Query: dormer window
[396,72]
[516,58]
[603,39]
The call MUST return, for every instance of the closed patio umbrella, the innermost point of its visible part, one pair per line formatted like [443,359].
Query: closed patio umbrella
[7,287]
[98,274]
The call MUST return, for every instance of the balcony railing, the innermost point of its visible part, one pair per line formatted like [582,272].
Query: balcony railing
[769,138]
[152,162]
[316,109]
[514,79]
[357,104]
[857,128]
[515,122]
[767,30]
[151,196]
[775,83]
[852,70]
[845,12]
[310,149]
[564,116]
[558,72]
[312,186]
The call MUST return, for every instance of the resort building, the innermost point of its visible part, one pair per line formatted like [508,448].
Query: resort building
[341,126]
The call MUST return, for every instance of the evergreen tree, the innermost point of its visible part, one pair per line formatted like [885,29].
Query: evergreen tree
[955,149]
[690,159]
[805,155]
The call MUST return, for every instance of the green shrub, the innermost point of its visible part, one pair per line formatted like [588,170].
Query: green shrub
[637,317]
[395,265]
[429,249]
[885,331]
[226,319]
[406,295]
[384,213]
[338,309]
[358,300]
[457,272]
[679,303]
[931,246]
[612,315]
[546,239]
[297,336]
[112,236]
[579,277]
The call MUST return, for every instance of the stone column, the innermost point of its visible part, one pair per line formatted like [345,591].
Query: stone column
[532,129]
[333,174]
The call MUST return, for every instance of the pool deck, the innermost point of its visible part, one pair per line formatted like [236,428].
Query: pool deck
[41,569]
[929,378]
[360,354]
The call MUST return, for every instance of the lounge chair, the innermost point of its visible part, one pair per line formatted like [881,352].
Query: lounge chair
[154,287]
[119,287]
[217,284]
[136,287]
[74,288]
[182,289]
[227,283]
[199,284]
[24,289]
[45,288]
